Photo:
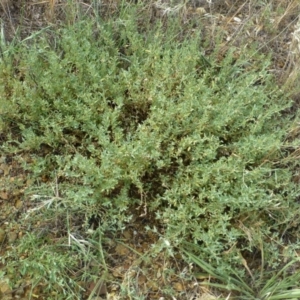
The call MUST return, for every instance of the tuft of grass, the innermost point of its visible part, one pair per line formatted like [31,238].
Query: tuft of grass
[276,285]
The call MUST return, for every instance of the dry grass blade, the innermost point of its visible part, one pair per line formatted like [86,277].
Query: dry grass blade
[293,61]
[51,8]
[290,9]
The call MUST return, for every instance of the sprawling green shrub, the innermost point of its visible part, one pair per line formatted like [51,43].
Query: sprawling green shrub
[126,119]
